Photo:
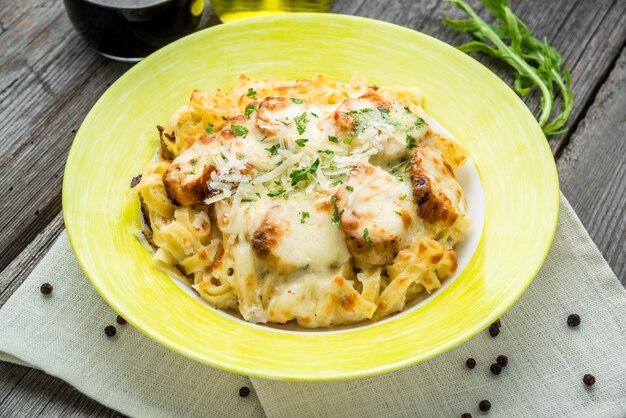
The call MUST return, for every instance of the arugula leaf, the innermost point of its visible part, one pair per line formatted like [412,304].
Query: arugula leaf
[209,128]
[301,142]
[251,93]
[239,130]
[304,216]
[303,173]
[300,123]
[535,62]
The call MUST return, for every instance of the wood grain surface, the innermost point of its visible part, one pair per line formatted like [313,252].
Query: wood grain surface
[49,79]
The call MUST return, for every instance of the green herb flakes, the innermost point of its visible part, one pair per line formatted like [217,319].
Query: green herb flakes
[209,128]
[276,192]
[303,173]
[301,123]
[350,188]
[301,142]
[366,235]
[239,130]
[296,101]
[251,93]
[273,150]
[333,139]
[250,110]
[304,216]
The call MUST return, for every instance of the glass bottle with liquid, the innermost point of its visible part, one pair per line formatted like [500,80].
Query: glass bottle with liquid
[229,10]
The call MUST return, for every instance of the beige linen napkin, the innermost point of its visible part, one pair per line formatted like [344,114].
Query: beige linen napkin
[63,335]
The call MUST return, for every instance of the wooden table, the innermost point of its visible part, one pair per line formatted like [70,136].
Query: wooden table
[49,79]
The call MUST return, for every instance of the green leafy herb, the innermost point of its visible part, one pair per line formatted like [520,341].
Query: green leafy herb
[336,213]
[273,150]
[336,183]
[327,153]
[278,183]
[314,114]
[296,101]
[403,197]
[300,123]
[209,128]
[398,213]
[333,139]
[304,216]
[348,140]
[303,173]
[410,142]
[301,142]
[285,122]
[239,130]
[383,109]
[535,62]
[350,188]
[258,195]
[277,192]
[223,117]
[250,110]
[251,93]
[366,235]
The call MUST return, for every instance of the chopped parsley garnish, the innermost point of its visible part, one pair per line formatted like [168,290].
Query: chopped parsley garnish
[419,123]
[328,153]
[336,213]
[258,195]
[304,216]
[358,112]
[314,114]
[224,118]
[410,142]
[209,128]
[303,173]
[239,130]
[399,213]
[301,123]
[273,150]
[301,142]
[296,101]
[348,140]
[277,192]
[336,183]
[251,93]
[350,188]
[403,197]
[366,235]
[285,122]
[333,139]
[382,109]
[250,110]
[278,183]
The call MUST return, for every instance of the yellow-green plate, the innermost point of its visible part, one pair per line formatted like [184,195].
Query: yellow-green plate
[118,138]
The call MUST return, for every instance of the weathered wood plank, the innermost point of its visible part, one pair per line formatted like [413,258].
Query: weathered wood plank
[15,273]
[39,394]
[592,170]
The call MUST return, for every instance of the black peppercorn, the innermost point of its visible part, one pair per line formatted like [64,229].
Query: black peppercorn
[502,360]
[135,181]
[497,323]
[573,320]
[244,391]
[470,362]
[110,330]
[494,330]
[120,320]
[589,379]
[46,288]
[466,415]
[495,368]
[484,405]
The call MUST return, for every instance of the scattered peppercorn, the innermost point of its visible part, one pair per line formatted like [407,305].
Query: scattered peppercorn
[466,415]
[484,405]
[244,391]
[495,368]
[589,379]
[120,320]
[110,330]
[494,330]
[135,181]
[573,320]
[497,323]
[46,288]
[470,362]
[502,360]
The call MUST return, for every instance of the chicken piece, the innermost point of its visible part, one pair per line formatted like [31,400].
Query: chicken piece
[377,216]
[298,234]
[438,195]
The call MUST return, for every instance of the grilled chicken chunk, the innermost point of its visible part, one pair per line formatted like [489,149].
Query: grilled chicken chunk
[377,214]
[283,241]
[438,195]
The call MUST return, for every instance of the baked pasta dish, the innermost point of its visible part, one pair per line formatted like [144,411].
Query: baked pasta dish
[311,201]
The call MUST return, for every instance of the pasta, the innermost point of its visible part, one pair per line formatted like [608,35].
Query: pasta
[310,201]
